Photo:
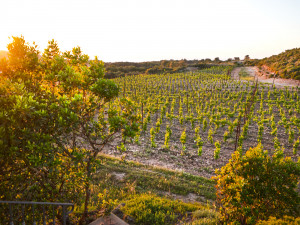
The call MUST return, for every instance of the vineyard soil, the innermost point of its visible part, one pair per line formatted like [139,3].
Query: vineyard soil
[205,164]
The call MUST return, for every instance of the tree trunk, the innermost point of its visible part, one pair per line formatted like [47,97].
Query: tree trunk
[87,193]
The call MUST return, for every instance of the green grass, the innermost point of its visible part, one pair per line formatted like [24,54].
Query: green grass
[151,209]
[108,190]
[205,217]
[154,179]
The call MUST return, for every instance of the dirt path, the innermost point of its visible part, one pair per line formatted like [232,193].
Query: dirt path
[254,72]
[235,73]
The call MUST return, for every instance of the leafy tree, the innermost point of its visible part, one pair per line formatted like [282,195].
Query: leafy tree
[23,58]
[256,186]
[217,59]
[247,58]
[55,121]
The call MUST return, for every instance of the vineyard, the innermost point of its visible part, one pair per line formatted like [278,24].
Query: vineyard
[194,121]
[169,133]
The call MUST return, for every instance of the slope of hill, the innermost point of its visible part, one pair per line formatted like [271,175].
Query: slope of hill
[120,69]
[285,64]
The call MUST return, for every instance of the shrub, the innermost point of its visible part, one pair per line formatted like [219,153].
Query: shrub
[256,186]
[286,220]
[151,209]
[205,217]
[205,221]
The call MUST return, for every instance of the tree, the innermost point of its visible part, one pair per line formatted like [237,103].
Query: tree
[22,60]
[247,58]
[55,120]
[256,186]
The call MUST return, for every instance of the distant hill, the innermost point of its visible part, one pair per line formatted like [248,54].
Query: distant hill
[119,69]
[3,54]
[285,64]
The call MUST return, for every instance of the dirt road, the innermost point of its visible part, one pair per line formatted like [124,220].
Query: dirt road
[253,71]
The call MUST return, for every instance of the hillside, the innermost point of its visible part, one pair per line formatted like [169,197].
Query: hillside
[285,65]
[120,69]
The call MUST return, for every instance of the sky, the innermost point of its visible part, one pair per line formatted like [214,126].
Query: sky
[139,30]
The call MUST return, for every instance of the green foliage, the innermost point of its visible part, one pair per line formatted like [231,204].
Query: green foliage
[183,141]
[286,220]
[199,144]
[255,186]
[167,137]
[158,123]
[120,69]
[122,147]
[22,58]
[205,221]
[204,124]
[291,136]
[260,132]
[197,131]
[55,119]
[276,144]
[210,137]
[152,137]
[105,89]
[285,64]
[150,209]
[137,137]
[147,178]
[205,217]
[217,150]
[226,136]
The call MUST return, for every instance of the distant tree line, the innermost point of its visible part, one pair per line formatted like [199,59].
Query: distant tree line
[119,69]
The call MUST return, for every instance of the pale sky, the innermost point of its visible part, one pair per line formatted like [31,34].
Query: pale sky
[139,30]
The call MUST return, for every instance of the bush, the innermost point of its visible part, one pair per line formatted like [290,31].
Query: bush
[151,209]
[256,186]
[287,220]
[205,217]
[205,221]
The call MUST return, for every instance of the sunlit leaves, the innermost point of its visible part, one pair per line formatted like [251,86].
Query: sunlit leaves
[54,121]
[257,181]
[105,89]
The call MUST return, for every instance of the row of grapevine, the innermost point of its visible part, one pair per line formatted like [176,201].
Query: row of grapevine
[206,108]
